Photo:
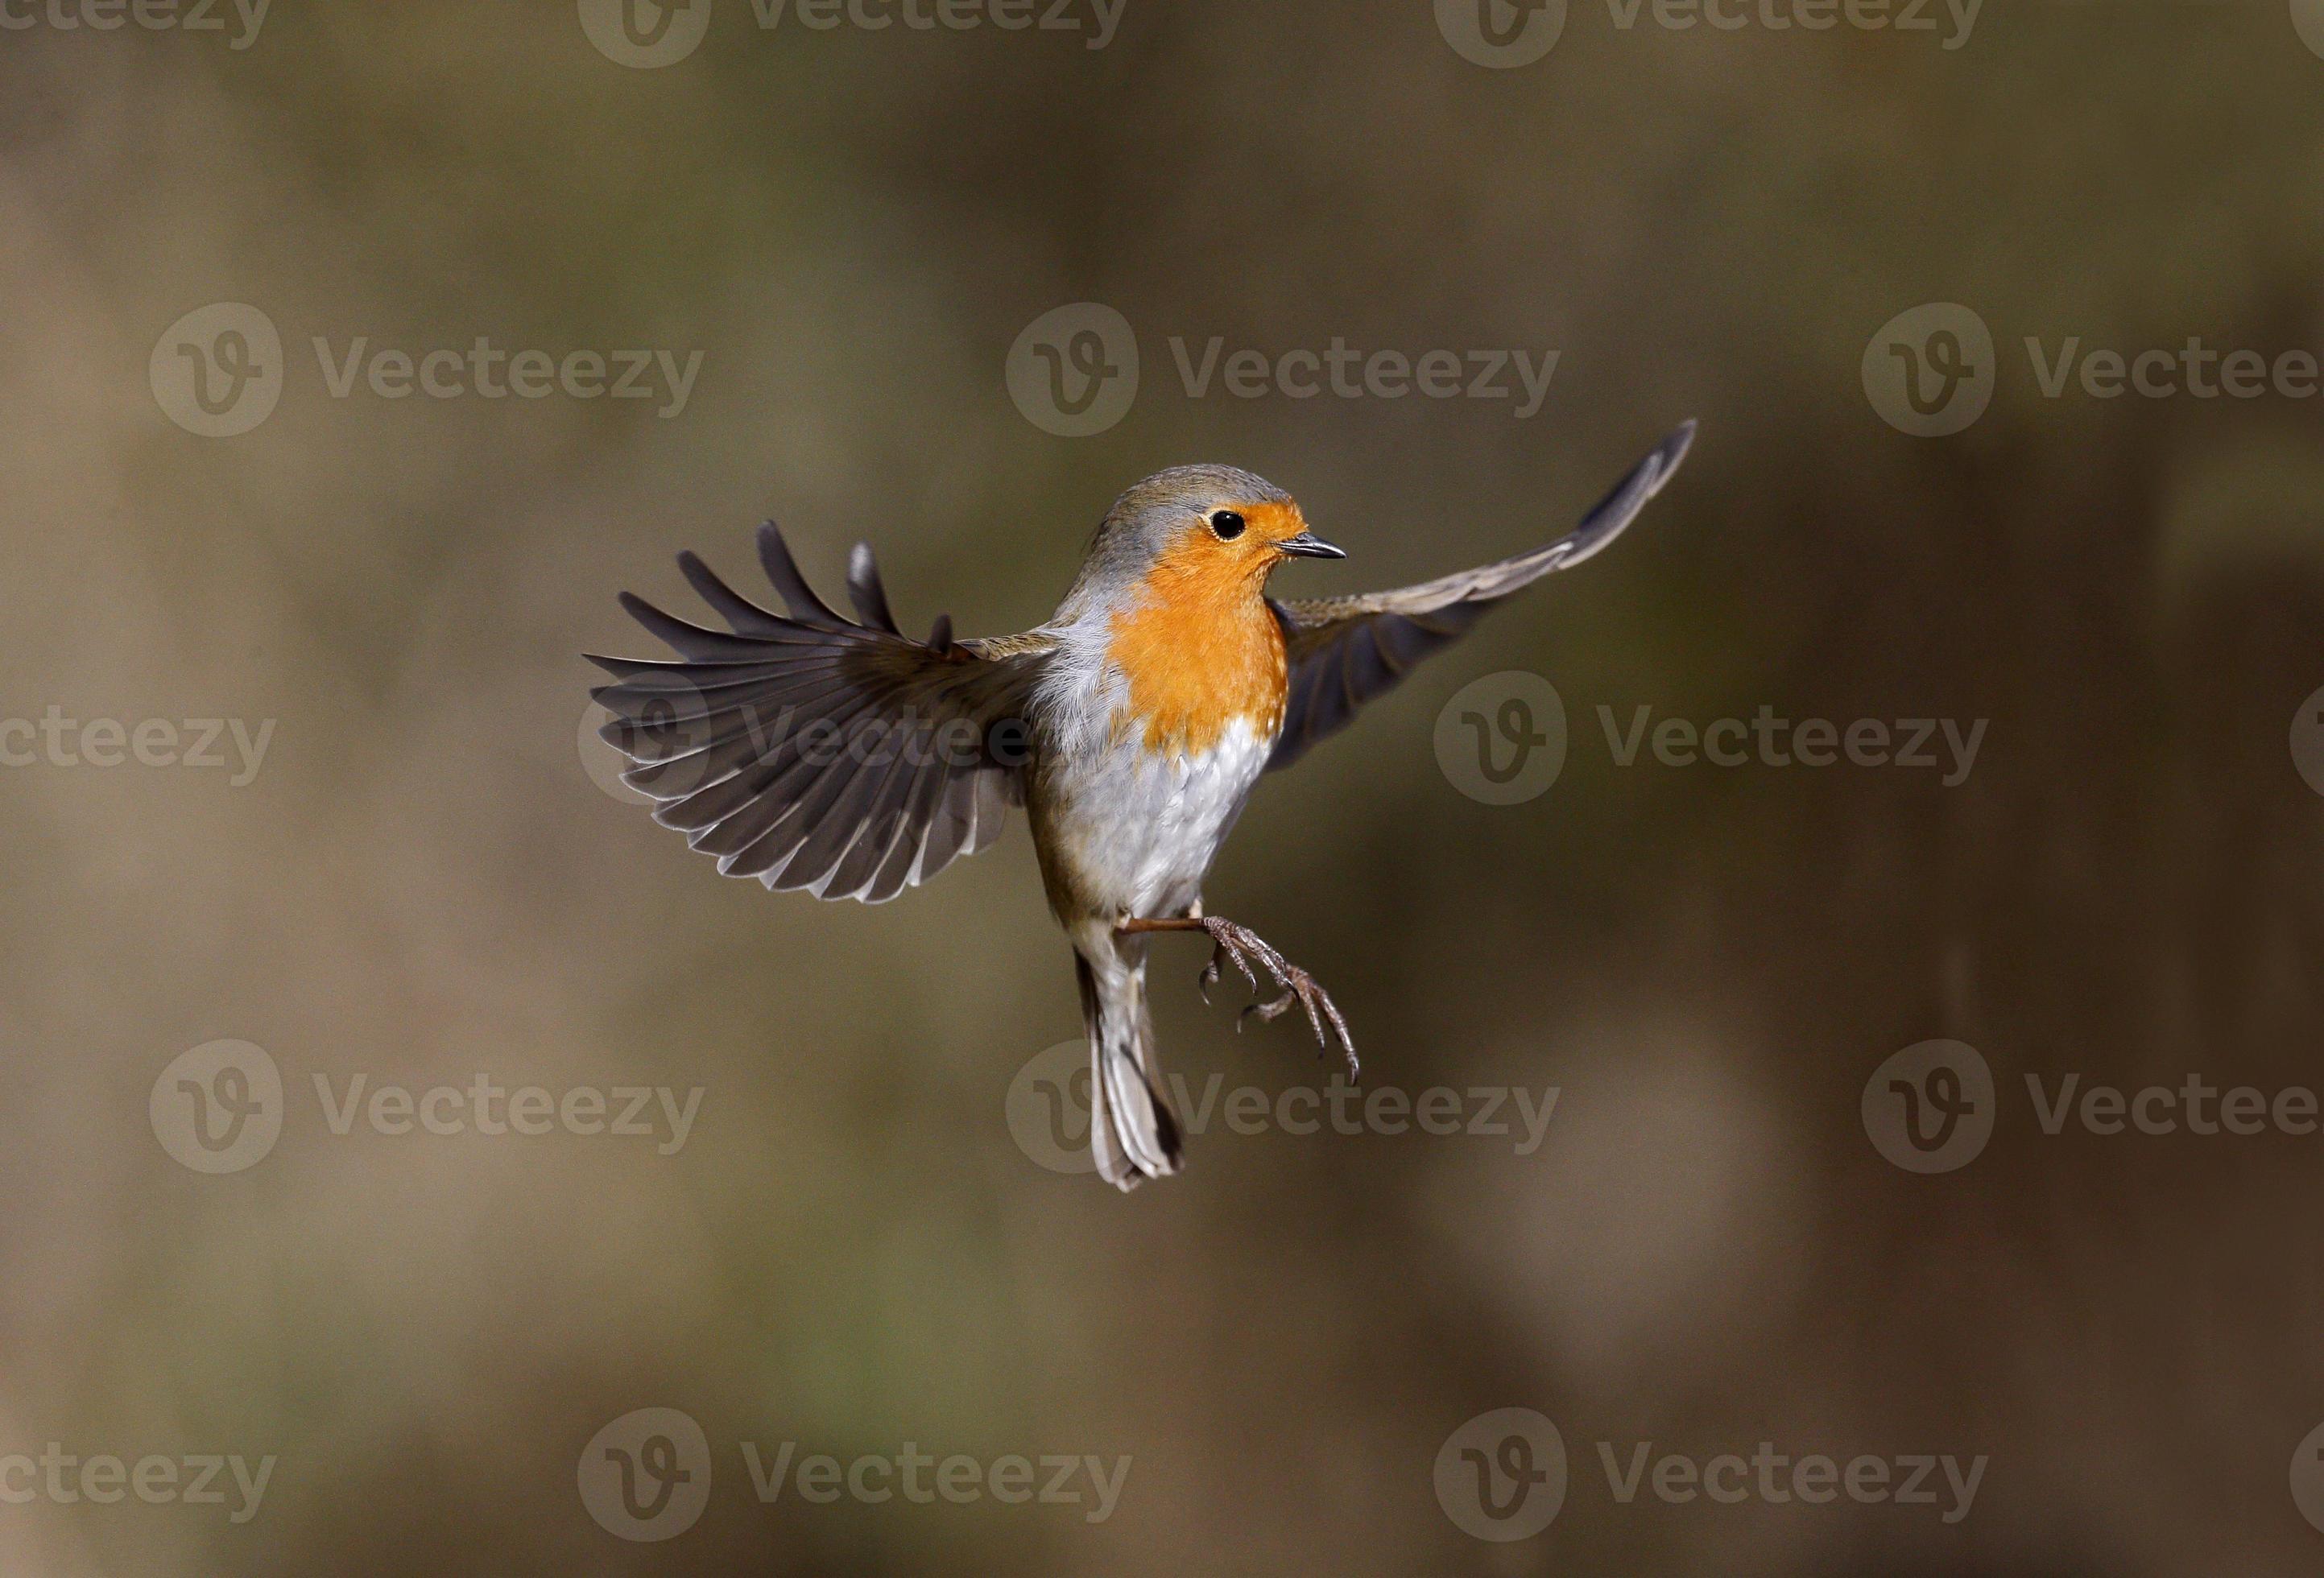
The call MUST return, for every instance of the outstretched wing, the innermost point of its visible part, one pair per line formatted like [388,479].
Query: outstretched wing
[1345,650]
[812,751]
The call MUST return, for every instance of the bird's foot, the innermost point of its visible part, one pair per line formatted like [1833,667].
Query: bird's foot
[1241,946]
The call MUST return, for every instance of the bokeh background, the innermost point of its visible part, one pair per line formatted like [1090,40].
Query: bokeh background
[426,878]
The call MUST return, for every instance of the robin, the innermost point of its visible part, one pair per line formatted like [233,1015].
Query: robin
[847,760]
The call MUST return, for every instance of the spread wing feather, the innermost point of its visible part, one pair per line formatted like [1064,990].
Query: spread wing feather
[812,751]
[1345,650]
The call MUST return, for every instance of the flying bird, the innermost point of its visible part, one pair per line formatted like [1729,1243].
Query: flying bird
[842,758]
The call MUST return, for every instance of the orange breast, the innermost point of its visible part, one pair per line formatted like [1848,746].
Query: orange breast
[1201,651]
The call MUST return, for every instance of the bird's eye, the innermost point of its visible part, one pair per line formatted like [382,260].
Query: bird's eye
[1228,525]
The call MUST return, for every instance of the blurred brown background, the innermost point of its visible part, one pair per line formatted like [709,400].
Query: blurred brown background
[424,883]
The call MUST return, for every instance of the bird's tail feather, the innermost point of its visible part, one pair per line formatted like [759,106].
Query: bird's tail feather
[1132,1130]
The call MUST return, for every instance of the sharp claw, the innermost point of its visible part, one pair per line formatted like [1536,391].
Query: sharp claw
[1314,1021]
[1241,948]
[1267,1012]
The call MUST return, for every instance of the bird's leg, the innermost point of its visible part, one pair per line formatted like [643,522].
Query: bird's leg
[1243,947]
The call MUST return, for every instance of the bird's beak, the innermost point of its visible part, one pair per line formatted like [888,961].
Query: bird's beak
[1307,545]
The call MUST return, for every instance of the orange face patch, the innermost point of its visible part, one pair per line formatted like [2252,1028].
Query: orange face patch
[1200,648]
[1269,524]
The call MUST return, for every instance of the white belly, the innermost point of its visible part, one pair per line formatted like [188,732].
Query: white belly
[1136,833]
